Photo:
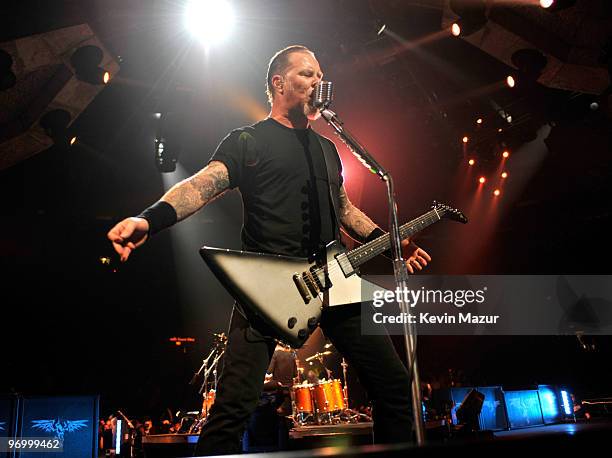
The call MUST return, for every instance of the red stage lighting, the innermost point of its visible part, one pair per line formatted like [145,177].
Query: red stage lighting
[481,180]
[471,162]
[504,175]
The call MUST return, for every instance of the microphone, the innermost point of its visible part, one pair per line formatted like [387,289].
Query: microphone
[323,95]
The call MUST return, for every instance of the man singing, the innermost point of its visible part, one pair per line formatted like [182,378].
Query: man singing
[282,173]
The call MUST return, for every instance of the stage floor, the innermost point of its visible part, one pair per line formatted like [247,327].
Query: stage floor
[559,439]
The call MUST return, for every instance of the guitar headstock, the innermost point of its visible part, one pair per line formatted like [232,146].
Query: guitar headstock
[446,211]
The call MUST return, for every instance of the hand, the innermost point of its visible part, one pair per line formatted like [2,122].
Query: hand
[416,258]
[128,235]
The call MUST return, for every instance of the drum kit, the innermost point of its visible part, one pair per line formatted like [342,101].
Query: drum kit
[324,401]
[314,400]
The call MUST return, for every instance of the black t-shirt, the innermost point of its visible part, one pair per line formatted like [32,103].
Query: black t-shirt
[282,176]
[282,367]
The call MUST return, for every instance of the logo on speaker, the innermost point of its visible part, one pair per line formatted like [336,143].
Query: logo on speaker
[59,427]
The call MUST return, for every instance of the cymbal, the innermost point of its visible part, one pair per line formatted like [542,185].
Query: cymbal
[318,355]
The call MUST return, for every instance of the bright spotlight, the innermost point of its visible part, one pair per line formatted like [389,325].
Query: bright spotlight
[456,29]
[505,154]
[497,192]
[510,81]
[471,162]
[73,140]
[465,139]
[479,121]
[481,180]
[546,3]
[504,175]
[209,20]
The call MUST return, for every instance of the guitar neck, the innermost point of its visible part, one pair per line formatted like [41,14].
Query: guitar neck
[378,246]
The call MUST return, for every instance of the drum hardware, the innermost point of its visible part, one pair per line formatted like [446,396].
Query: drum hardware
[208,389]
[325,401]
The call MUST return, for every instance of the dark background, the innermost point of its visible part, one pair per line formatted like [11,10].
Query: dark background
[70,324]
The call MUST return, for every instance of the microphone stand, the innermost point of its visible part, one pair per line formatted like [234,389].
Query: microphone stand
[399,265]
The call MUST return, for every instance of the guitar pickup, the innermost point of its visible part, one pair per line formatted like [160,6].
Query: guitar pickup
[345,264]
[320,277]
[302,288]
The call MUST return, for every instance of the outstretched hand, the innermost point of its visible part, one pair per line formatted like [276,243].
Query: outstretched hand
[416,257]
[127,235]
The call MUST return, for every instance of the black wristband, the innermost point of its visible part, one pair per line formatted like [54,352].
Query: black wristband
[160,215]
[377,232]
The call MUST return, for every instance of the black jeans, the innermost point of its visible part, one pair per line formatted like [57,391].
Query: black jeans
[247,357]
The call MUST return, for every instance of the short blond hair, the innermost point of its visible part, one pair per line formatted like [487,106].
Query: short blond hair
[278,65]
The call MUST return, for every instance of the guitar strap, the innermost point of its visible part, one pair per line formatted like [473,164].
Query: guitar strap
[330,155]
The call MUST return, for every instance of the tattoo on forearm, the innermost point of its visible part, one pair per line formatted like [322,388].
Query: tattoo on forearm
[354,221]
[188,196]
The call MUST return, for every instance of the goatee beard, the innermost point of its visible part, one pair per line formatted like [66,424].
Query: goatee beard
[311,112]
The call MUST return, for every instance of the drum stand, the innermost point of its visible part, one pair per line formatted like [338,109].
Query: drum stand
[205,389]
[349,415]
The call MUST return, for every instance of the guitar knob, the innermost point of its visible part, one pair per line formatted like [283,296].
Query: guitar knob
[312,322]
[291,322]
[302,334]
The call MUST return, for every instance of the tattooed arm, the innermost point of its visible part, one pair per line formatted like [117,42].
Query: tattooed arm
[184,198]
[188,196]
[359,226]
[354,221]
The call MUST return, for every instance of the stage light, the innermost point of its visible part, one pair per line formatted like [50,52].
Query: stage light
[504,175]
[497,192]
[55,124]
[471,15]
[208,20]
[7,77]
[500,130]
[455,29]
[86,63]
[468,413]
[510,81]
[465,139]
[505,154]
[471,162]
[481,180]
[546,3]
[479,121]
[566,403]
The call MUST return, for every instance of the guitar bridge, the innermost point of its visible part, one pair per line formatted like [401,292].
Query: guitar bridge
[301,286]
[321,279]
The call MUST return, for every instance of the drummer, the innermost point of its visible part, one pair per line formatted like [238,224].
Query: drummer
[282,369]
[316,371]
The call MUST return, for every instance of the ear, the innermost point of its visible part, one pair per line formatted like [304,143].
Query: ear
[278,82]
